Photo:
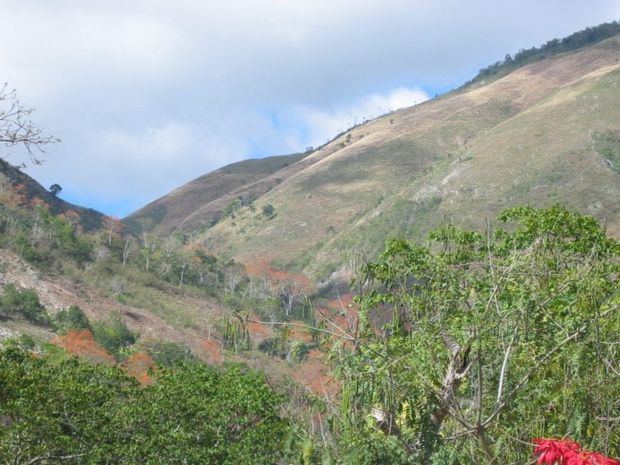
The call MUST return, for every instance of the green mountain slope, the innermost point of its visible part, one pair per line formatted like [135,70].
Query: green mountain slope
[546,132]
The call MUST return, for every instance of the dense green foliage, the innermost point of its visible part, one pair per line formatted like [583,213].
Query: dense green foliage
[24,303]
[588,36]
[76,413]
[475,344]
[114,335]
[71,318]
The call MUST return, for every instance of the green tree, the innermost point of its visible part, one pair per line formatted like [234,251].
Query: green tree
[474,344]
[114,334]
[55,189]
[71,318]
[23,302]
[72,412]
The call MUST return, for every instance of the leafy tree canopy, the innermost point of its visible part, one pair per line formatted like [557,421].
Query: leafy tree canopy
[77,413]
[474,344]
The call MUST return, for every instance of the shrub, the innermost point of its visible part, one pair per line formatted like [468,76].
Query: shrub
[71,318]
[269,211]
[114,335]
[273,346]
[30,253]
[23,302]
[170,354]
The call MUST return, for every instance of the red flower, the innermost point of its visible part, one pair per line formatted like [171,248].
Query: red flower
[566,452]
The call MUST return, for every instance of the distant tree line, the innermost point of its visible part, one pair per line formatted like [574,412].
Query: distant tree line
[588,36]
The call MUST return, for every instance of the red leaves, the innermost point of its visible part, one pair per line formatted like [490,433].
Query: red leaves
[566,452]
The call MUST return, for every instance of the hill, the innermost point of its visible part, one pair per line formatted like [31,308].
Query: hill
[19,189]
[546,132]
[468,346]
[200,203]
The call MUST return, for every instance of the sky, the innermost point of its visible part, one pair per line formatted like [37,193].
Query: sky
[149,94]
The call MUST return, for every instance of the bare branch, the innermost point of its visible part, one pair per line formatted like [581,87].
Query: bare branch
[16,127]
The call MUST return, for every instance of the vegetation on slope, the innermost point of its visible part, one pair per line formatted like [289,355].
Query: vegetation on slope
[170,281]
[575,41]
[541,134]
[471,346]
[165,215]
[465,350]
[78,413]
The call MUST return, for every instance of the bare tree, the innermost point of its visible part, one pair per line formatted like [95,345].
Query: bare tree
[112,226]
[16,127]
[128,250]
[290,293]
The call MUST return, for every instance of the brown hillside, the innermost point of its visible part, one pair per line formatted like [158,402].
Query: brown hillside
[209,195]
[547,132]
[19,189]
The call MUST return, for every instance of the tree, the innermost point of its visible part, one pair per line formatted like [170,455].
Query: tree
[55,189]
[71,318]
[16,127]
[24,303]
[113,227]
[69,411]
[475,344]
[268,210]
[114,334]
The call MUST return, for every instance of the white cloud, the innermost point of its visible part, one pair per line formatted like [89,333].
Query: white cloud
[148,94]
[323,124]
[162,143]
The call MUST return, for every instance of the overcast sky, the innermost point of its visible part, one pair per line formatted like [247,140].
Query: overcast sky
[149,94]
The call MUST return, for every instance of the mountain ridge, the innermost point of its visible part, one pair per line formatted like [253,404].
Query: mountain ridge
[19,188]
[530,136]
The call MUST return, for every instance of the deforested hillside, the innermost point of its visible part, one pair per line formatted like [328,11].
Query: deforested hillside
[546,132]
[200,203]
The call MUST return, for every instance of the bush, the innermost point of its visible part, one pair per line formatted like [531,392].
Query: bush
[24,303]
[71,318]
[97,415]
[269,211]
[30,253]
[114,335]
[170,354]
[273,346]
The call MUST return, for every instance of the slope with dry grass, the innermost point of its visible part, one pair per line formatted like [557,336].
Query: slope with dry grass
[531,137]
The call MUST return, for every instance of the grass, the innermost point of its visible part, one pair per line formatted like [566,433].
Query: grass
[607,145]
[169,212]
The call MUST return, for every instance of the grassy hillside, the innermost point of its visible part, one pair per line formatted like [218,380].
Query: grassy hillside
[544,133]
[170,213]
